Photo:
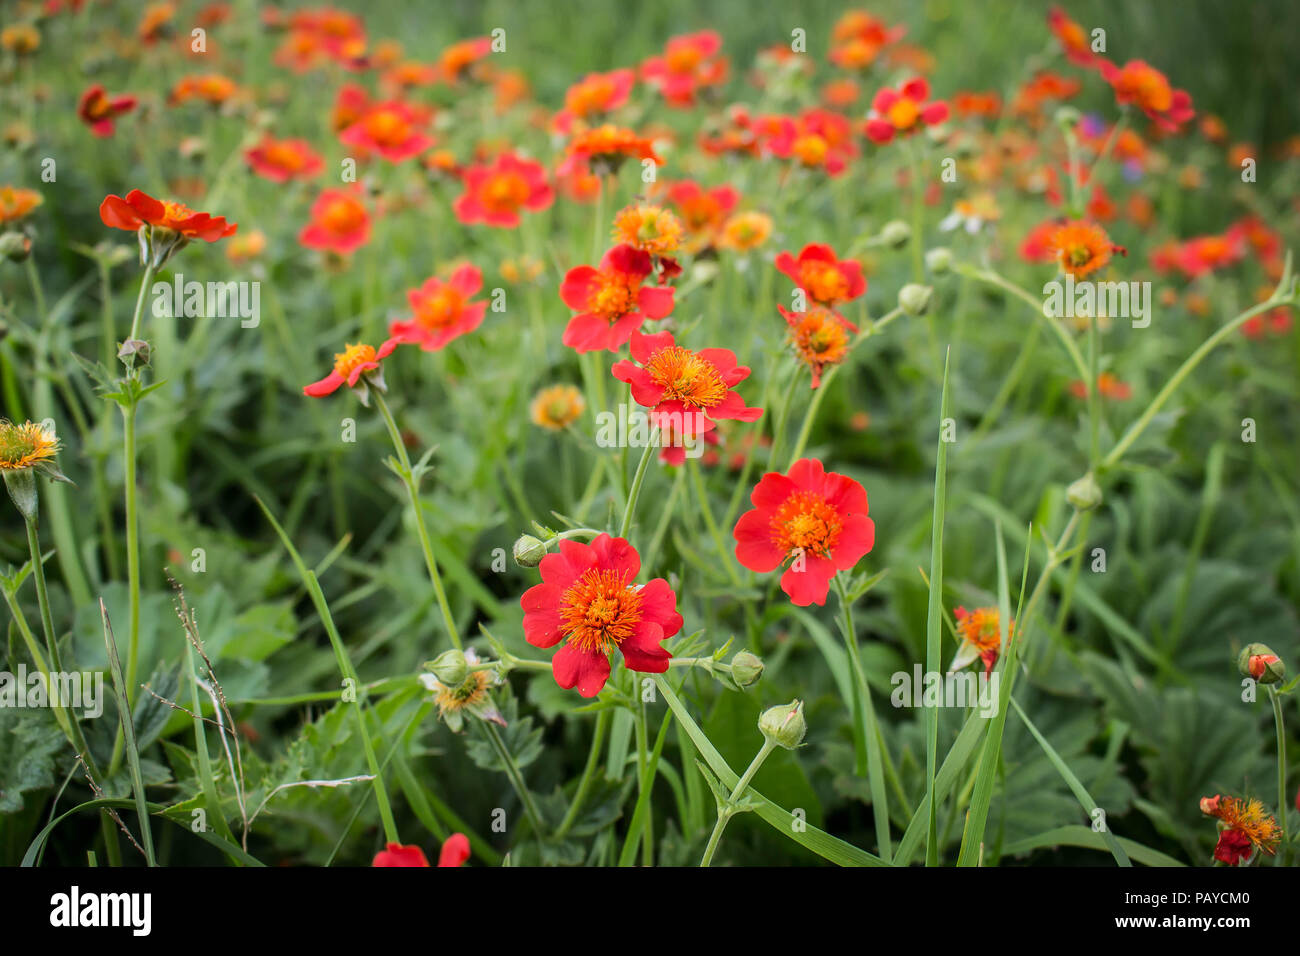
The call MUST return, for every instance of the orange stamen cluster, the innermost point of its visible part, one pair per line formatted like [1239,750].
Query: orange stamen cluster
[353,356]
[1245,816]
[650,228]
[1081,248]
[824,282]
[685,377]
[441,308]
[599,610]
[805,523]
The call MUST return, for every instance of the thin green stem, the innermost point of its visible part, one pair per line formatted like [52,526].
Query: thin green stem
[411,480]
[1280,728]
[516,778]
[588,774]
[726,812]
[42,596]
[651,446]
[724,553]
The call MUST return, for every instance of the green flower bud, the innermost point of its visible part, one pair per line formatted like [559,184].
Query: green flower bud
[15,247]
[21,484]
[914,299]
[746,669]
[1259,661]
[939,260]
[450,667]
[529,551]
[895,233]
[784,725]
[134,352]
[1085,493]
[1067,117]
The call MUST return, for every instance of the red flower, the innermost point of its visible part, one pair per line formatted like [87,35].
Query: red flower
[495,193]
[703,211]
[442,310]
[390,129]
[339,222]
[898,111]
[454,852]
[689,392]
[612,300]
[1147,88]
[1233,847]
[827,279]
[98,110]
[139,209]
[281,160]
[587,599]
[350,365]
[689,63]
[815,519]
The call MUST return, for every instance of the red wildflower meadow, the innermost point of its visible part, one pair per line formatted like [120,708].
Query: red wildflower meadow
[812,518]
[589,600]
[689,64]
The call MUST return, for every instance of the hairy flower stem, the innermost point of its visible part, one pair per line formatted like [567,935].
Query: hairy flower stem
[412,482]
[651,446]
[1284,846]
[516,778]
[588,773]
[729,809]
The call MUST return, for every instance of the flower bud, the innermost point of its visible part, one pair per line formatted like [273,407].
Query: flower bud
[134,352]
[895,233]
[1084,493]
[1259,661]
[746,669]
[784,725]
[914,299]
[15,247]
[1067,117]
[529,551]
[450,667]
[938,260]
[21,484]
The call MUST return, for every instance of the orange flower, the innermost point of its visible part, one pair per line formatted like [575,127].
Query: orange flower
[903,111]
[390,129]
[652,229]
[690,63]
[605,148]
[155,22]
[1080,247]
[456,60]
[595,95]
[979,631]
[557,407]
[16,204]
[339,222]
[703,211]
[246,246]
[496,193]
[1108,386]
[98,110]
[745,231]
[612,301]
[357,366]
[21,38]
[858,37]
[816,139]
[1244,825]
[1147,88]
[140,209]
[1073,38]
[212,88]
[442,310]
[827,279]
[820,338]
[350,105]
[281,160]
